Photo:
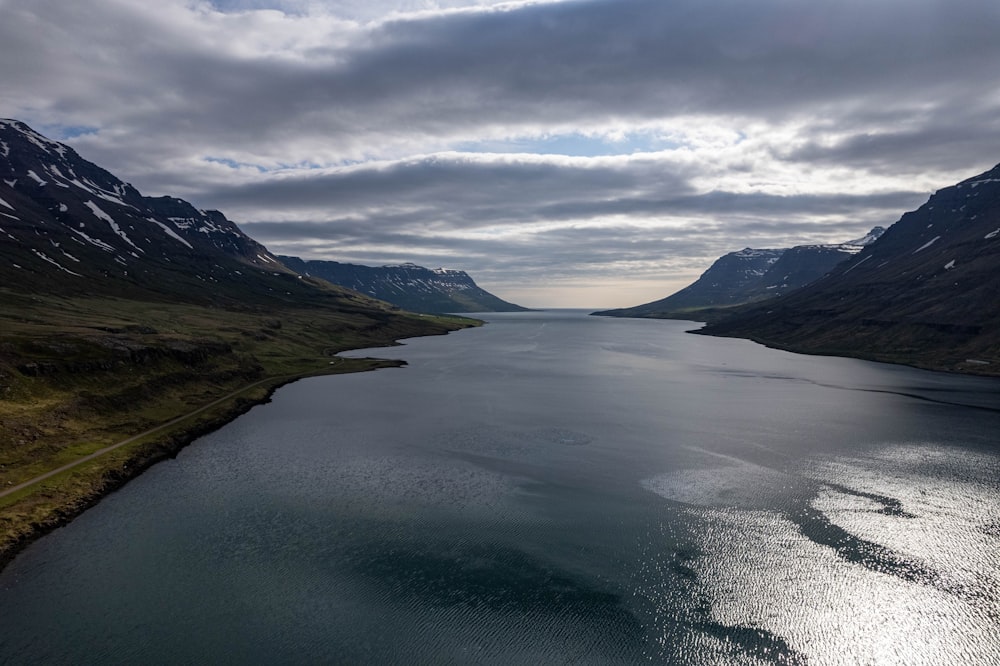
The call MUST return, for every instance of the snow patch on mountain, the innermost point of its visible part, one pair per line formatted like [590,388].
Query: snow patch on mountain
[4,203]
[96,242]
[101,215]
[83,187]
[54,171]
[977,183]
[98,213]
[44,257]
[867,239]
[751,253]
[927,244]
[170,232]
[37,139]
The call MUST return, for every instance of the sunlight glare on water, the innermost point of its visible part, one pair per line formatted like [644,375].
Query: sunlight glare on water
[921,588]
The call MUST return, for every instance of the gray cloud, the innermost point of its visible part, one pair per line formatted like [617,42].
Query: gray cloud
[945,138]
[450,195]
[784,121]
[573,63]
[718,223]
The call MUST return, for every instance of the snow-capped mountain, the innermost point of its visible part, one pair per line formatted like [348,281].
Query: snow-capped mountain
[750,275]
[407,286]
[926,293]
[68,226]
[803,264]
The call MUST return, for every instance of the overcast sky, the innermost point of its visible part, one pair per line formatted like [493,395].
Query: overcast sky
[576,152]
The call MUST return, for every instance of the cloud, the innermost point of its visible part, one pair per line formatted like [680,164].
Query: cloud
[557,217]
[944,138]
[771,121]
[457,191]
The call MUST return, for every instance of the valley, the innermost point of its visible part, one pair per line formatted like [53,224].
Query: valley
[120,316]
[77,375]
[923,292]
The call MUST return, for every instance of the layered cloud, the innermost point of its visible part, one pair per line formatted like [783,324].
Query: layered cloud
[576,141]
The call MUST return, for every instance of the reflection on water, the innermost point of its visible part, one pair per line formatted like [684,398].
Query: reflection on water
[550,488]
[917,517]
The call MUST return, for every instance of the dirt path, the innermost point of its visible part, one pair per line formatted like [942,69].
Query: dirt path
[96,454]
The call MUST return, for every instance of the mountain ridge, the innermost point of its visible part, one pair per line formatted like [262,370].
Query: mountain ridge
[408,286]
[927,293]
[68,226]
[749,275]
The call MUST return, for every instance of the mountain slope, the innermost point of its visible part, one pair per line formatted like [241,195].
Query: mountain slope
[926,293]
[723,284]
[804,264]
[750,275]
[407,286]
[120,313]
[69,227]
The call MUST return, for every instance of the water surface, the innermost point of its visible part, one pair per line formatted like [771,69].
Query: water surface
[550,488]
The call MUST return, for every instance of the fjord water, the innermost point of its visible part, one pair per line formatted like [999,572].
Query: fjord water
[550,488]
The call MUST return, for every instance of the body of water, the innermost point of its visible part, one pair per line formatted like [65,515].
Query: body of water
[550,488]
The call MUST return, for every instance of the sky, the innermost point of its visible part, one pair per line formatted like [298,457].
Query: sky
[573,153]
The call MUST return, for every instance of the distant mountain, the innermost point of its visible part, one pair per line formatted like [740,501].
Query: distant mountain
[926,293]
[804,264]
[750,275]
[726,282]
[407,286]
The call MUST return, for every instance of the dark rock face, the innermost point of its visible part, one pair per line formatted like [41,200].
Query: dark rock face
[407,286]
[926,293]
[68,226]
[751,275]
[726,282]
[799,266]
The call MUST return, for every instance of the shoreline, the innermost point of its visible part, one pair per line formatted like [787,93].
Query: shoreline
[169,442]
[974,368]
[969,367]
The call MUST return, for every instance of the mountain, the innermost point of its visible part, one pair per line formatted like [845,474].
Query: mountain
[123,314]
[725,283]
[407,286]
[927,293]
[84,255]
[749,275]
[803,264]
[69,227]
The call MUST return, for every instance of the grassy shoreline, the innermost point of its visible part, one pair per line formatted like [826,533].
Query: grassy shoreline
[33,512]
[934,361]
[79,376]
[935,356]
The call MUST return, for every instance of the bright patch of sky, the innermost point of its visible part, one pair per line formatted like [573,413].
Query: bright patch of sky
[575,144]
[358,10]
[233,164]
[67,132]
